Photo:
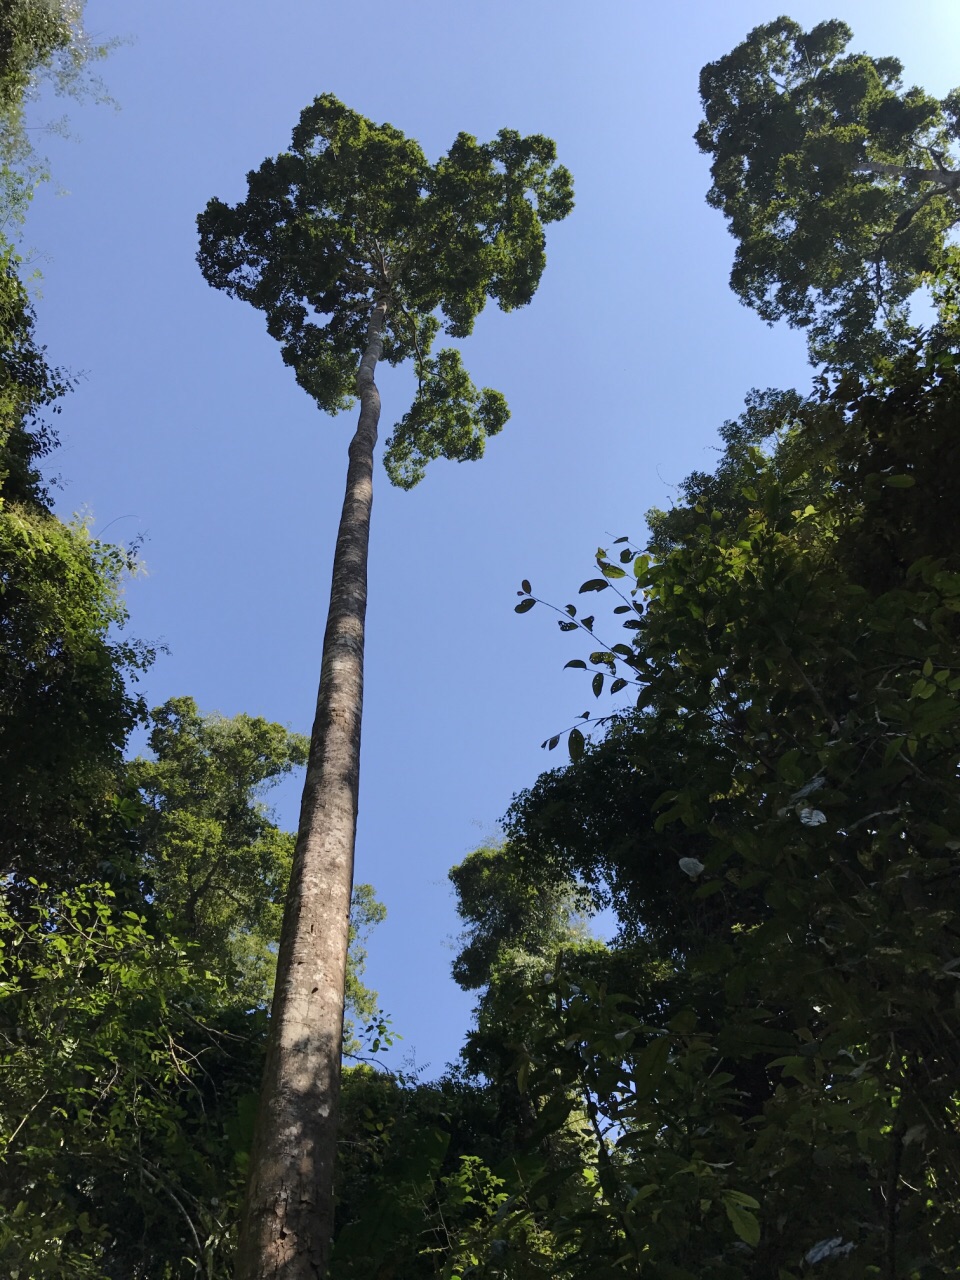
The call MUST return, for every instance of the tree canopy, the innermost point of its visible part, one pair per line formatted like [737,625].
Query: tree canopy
[841,187]
[353,213]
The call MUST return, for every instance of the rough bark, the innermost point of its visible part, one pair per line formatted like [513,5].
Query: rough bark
[287,1223]
[948,180]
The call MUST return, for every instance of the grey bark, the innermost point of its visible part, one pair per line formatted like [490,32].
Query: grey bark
[948,180]
[287,1223]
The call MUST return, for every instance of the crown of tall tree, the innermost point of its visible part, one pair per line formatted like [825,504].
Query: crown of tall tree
[354,214]
[840,186]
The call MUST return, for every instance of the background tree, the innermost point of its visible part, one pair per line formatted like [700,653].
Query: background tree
[41,42]
[215,860]
[211,853]
[65,703]
[350,242]
[66,706]
[841,187]
[774,821]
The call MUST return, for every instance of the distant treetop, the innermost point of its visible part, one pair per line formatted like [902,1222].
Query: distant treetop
[841,187]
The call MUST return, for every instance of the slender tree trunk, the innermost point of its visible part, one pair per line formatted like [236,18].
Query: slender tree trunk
[288,1217]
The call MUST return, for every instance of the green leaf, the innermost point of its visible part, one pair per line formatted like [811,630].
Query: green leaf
[744,1223]
[525,586]
[524,606]
[741,1197]
[644,1193]
[575,744]
[597,684]
[575,662]
[899,482]
[594,584]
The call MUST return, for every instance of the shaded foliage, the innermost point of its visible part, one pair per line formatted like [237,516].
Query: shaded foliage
[65,704]
[127,1067]
[777,822]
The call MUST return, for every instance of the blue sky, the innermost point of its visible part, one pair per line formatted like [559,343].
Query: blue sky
[187,429]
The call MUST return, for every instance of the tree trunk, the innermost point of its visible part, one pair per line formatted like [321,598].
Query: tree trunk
[287,1222]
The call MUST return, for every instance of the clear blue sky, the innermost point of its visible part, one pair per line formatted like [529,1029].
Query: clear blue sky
[186,427]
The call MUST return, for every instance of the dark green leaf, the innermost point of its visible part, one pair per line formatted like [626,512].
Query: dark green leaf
[744,1222]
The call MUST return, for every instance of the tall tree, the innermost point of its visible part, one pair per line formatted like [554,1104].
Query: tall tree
[840,186]
[213,856]
[350,243]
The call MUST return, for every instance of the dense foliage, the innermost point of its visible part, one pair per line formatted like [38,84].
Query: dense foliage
[840,186]
[777,824]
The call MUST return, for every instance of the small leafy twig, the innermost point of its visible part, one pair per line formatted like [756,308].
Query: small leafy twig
[609,656]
